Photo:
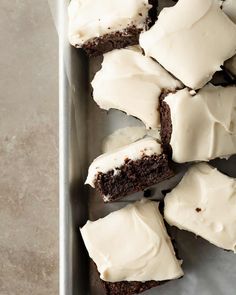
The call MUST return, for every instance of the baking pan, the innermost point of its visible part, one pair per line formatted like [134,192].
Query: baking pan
[83,126]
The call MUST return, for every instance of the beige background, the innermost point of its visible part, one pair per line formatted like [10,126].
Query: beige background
[28,149]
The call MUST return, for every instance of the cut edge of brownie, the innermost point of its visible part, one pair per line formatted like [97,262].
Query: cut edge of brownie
[166,124]
[129,288]
[114,40]
[133,176]
[118,39]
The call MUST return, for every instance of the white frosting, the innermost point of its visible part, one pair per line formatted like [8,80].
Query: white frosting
[127,135]
[204,125]
[205,203]
[131,82]
[229,7]
[115,159]
[191,40]
[132,244]
[94,18]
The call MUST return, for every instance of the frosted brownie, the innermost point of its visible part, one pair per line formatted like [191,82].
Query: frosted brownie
[199,126]
[130,82]
[204,203]
[129,169]
[139,254]
[99,26]
[191,40]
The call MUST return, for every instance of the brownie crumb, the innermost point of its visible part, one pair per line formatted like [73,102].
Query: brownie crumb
[198,210]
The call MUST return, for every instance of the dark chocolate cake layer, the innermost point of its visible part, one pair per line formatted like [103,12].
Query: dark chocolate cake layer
[166,124]
[129,288]
[115,40]
[119,39]
[133,176]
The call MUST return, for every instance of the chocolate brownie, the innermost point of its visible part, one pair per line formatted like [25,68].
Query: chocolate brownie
[191,123]
[166,124]
[104,41]
[169,44]
[134,268]
[128,288]
[133,176]
[120,39]
[192,205]
[136,94]
[129,169]
[108,42]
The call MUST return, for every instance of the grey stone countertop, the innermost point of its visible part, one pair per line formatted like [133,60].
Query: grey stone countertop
[28,149]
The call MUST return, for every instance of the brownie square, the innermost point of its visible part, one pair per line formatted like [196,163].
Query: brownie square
[183,37]
[166,124]
[117,39]
[128,288]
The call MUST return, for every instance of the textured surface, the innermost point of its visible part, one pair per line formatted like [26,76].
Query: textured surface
[128,288]
[118,39]
[133,176]
[28,149]
[108,42]
[166,124]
